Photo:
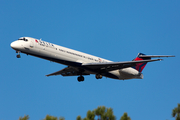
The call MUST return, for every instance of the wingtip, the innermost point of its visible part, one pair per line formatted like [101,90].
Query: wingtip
[170,56]
[173,56]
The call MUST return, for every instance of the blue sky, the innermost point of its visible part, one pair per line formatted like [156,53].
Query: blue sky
[115,30]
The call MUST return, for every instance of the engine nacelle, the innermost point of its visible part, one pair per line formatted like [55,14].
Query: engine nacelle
[130,73]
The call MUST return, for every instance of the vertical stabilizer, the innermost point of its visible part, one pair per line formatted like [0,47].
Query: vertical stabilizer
[139,67]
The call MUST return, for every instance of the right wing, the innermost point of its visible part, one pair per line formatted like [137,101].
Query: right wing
[68,71]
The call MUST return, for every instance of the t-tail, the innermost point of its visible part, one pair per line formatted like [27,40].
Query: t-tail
[140,66]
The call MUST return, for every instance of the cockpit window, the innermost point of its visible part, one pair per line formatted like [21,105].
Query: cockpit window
[24,39]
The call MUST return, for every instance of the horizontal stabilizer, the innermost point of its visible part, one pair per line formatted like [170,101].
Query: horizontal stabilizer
[155,56]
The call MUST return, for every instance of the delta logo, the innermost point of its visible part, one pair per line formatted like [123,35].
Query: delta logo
[36,41]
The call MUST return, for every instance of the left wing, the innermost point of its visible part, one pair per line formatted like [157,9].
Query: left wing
[109,66]
[68,71]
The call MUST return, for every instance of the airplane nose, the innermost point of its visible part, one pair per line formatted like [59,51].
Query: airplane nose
[14,45]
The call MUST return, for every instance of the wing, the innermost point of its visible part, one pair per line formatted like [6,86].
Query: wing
[68,71]
[98,67]
[109,66]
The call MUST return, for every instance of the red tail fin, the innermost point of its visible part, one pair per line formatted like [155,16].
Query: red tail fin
[140,66]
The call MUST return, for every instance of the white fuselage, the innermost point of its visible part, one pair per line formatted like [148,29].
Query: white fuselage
[69,57]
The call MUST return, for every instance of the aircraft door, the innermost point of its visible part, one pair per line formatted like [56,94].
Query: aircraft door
[31,44]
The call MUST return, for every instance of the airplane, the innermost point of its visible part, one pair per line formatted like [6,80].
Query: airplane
[81,64]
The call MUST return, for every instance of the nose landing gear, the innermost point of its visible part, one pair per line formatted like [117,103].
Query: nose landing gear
[18,55]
